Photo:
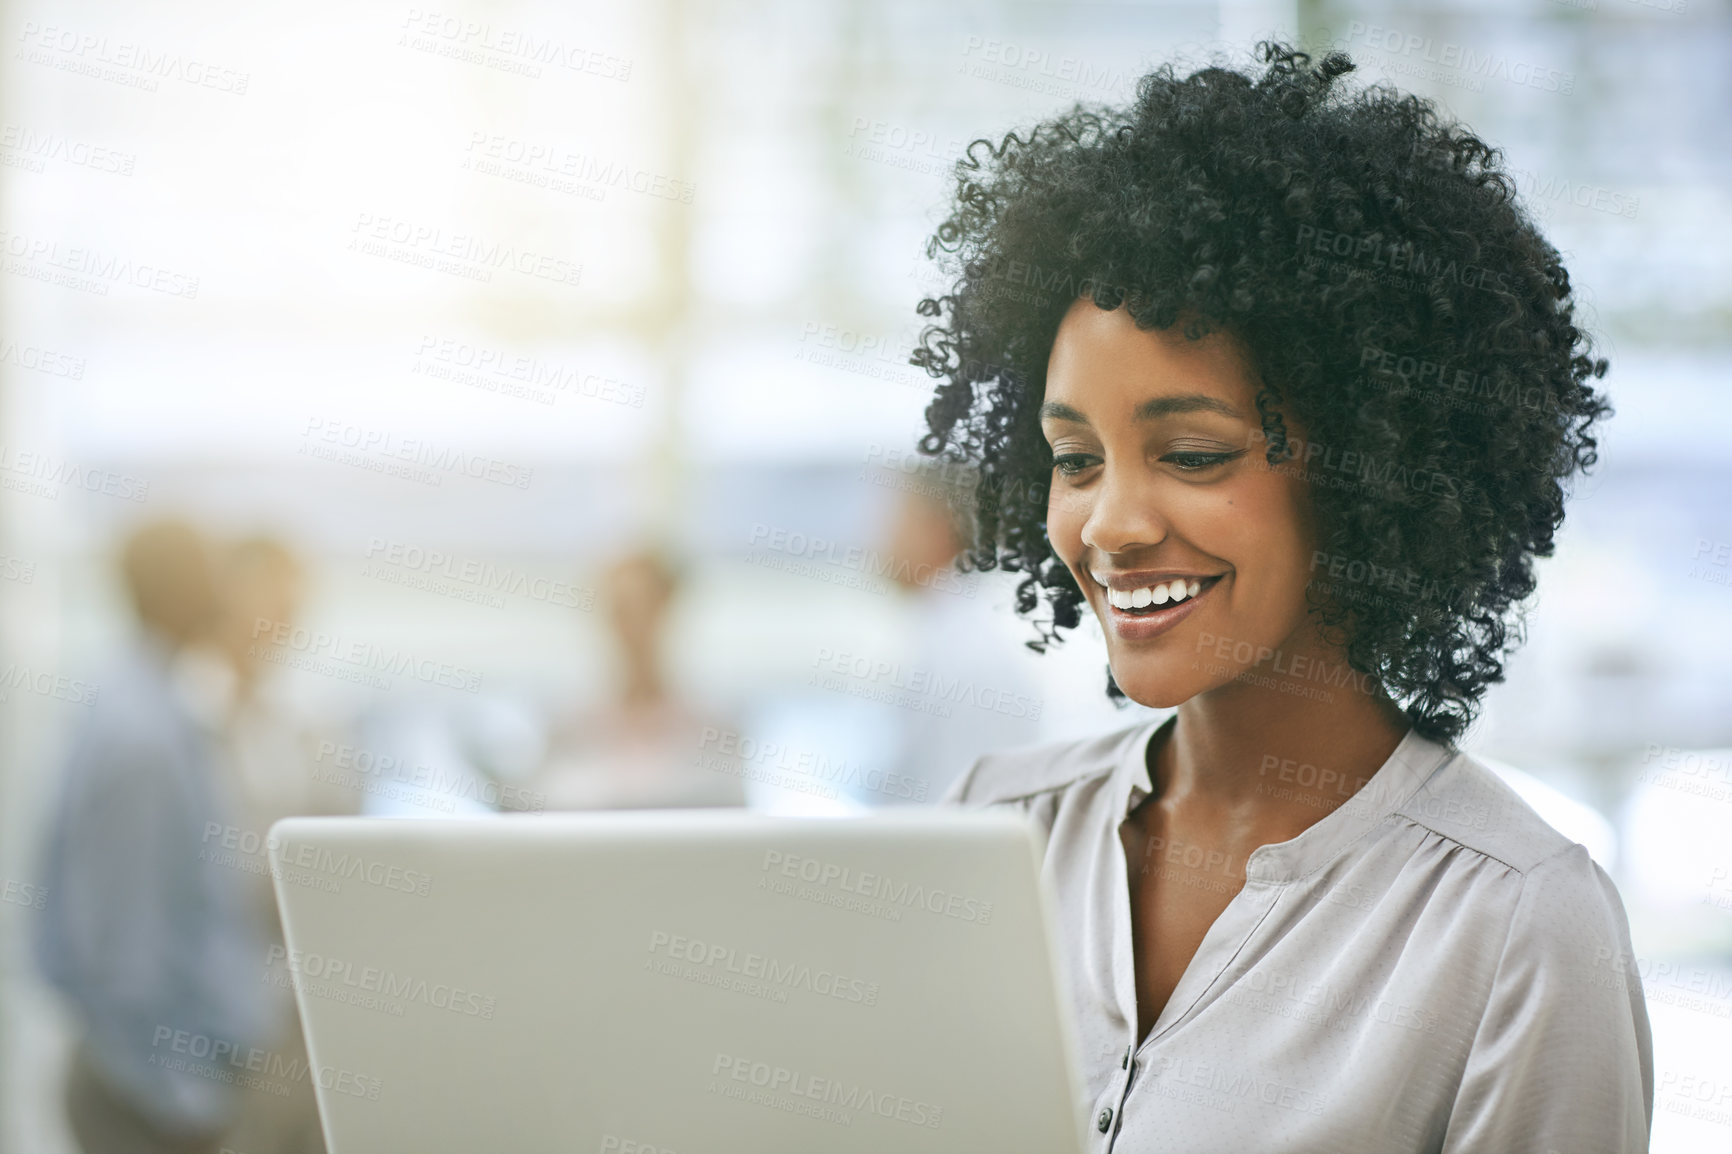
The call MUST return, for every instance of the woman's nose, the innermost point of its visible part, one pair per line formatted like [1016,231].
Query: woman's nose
[1123,514]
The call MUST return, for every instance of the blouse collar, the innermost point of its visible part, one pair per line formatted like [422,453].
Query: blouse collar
[1415,759]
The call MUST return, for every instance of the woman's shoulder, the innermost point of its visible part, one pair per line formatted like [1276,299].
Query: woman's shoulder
[1552,892]
[1468,801]
[1024,771]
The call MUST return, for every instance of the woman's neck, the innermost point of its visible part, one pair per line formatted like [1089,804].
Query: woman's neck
[1282,744]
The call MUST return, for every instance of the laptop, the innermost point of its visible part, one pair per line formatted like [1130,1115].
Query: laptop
[679,982]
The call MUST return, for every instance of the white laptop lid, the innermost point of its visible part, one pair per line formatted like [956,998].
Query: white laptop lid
[679,982]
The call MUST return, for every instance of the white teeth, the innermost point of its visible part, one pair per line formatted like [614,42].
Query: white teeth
[1176,590]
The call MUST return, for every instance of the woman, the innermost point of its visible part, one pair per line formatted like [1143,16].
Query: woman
[1280,380]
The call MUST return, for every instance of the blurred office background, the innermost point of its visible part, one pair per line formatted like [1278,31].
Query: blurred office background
[463,304]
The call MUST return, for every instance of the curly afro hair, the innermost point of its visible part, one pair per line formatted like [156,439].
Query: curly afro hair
[1396,300]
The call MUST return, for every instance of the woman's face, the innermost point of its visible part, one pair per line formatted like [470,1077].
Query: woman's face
[1162,494]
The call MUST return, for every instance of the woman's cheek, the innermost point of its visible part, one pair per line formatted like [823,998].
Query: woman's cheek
[1065,517]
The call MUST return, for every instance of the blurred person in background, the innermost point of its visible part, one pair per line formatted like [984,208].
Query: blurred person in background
[646,748]
[959,648]
[153,933]
[267,760]
[272,751]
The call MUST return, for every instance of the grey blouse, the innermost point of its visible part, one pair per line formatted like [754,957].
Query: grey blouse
[1429,967]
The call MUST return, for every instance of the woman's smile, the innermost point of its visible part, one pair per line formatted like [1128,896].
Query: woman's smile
[1139,606]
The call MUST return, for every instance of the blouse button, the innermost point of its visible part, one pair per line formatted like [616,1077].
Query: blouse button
[1105,1121]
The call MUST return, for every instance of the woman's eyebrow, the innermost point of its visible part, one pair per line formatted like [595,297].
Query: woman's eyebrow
[1059,411]
[1154,410]
[1150,410]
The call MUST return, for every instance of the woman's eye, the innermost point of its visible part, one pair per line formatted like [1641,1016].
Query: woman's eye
[1070,464]
[1197,462]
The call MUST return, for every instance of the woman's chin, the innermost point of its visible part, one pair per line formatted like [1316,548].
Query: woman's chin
[1156,691]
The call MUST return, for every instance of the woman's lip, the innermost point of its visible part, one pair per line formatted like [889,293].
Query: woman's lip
[1142,626]
[1128,582]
